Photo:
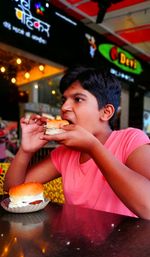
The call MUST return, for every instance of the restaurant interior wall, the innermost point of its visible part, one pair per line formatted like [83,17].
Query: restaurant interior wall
[124,108]
[146,113]
[47,91]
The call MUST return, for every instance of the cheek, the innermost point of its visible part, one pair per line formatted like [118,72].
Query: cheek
[90,126]
[89,120]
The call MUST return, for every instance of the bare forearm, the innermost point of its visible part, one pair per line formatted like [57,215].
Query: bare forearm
[17,171]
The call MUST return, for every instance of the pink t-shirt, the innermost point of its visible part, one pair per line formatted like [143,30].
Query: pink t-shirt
[84,183]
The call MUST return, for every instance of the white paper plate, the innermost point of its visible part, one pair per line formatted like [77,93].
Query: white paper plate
[24,209]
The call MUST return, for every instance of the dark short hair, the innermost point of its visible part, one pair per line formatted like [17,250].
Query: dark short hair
[102,84]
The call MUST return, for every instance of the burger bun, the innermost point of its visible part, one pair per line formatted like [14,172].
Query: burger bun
[54,126]
[26,193]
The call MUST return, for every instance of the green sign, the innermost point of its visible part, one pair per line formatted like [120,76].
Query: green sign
[120,58]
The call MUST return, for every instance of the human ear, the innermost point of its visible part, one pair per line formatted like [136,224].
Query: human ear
[107,112]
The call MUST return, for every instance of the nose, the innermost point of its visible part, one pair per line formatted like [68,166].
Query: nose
[66,106]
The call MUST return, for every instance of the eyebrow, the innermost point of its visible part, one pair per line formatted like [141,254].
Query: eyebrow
[76,94]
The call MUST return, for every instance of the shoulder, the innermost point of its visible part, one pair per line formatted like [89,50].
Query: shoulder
[131,133]
[123,142]
[132,138]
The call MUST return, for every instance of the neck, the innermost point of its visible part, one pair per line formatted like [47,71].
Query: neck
[102,137]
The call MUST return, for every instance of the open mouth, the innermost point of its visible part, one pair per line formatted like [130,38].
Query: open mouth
[67,118]
[70,122]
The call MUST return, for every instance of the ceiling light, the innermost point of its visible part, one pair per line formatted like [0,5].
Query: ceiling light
[36,86]
[41,67]
[18,61]
[27,75]
[53,92]
[13,80]
[3,69]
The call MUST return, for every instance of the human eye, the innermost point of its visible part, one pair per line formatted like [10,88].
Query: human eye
[78,99]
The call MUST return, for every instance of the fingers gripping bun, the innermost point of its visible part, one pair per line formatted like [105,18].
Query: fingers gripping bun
[26,193]
[53,126]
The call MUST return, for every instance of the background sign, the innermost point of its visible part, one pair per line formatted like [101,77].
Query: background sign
[43,30]
[121,58]
[39,28]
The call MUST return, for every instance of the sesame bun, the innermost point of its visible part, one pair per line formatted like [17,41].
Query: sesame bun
[53,126]
[26,193]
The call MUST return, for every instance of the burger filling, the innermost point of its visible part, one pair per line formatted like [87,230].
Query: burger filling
[21,201]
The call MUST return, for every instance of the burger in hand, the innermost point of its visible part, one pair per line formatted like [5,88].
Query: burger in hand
[54,126]
[25,194]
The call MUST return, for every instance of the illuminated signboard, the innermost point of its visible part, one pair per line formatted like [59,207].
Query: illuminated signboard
[41,29]
[23,13]
[120,58]
[29,20]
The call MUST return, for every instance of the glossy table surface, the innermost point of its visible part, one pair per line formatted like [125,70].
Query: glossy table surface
[68,231]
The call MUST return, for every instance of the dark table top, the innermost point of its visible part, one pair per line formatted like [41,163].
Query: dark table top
[69,231]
